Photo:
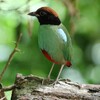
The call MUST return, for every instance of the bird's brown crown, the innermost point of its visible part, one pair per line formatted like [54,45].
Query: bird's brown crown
[46,16]
[47,9]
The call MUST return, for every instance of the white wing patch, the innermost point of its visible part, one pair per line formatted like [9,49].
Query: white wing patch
[62,34]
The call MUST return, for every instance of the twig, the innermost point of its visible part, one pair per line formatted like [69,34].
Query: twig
[71,5]
[30,25]
[73,12]
[11,56]
[8,88]
[3,98]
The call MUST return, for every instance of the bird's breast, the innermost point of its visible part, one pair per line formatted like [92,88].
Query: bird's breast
[52,41]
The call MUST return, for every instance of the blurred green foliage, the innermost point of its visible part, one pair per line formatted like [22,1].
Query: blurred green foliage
[85,39]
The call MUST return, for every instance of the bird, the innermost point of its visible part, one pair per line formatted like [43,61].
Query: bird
[53,38]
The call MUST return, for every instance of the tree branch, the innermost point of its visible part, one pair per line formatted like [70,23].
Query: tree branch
[11,56]
[30,88]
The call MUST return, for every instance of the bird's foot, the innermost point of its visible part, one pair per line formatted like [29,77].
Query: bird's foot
[55,82]
[46,81]
[43,81]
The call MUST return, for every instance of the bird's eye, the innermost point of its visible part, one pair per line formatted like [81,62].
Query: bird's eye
[42,13]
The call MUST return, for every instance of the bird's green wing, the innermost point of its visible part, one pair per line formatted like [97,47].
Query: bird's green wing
[56,41]
[67,50]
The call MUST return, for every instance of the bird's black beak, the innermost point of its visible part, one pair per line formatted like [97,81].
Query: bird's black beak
[33,14]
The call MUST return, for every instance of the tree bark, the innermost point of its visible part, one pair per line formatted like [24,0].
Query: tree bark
[2,94]
[31,88]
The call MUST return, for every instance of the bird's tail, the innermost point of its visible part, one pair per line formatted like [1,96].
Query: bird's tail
[68,63]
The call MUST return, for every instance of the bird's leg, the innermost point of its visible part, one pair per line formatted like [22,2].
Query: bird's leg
[62,66]
[50,71]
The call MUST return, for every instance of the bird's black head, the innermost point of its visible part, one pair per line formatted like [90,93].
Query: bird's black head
[46,16]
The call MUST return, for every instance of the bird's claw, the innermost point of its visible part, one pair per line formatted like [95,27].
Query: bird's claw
[46,81]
